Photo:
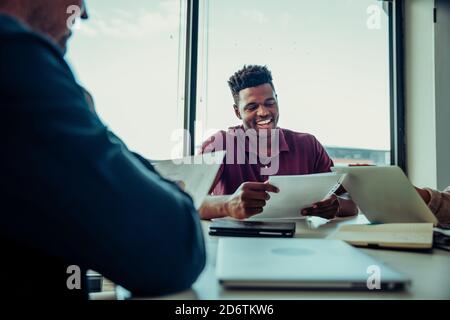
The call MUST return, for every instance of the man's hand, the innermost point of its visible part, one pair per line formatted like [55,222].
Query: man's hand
[424,194]
[249,199]
[327,209]
[332,207]
[181,184]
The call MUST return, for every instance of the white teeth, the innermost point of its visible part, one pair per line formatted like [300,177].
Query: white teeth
[264,122]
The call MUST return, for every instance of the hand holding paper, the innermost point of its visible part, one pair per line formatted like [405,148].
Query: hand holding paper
[300,192]
[327,208]
[249,199]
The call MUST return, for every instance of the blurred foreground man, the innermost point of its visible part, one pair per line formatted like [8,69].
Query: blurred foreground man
[72,194]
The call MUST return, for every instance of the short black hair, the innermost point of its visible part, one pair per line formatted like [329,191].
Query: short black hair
[248,77]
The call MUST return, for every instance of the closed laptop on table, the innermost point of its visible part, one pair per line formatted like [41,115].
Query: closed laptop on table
[299,264]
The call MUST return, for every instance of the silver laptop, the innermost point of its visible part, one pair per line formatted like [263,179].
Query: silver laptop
[385,195]
[301,264]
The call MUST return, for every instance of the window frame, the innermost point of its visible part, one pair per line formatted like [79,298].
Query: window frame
[190,106]
[396,83]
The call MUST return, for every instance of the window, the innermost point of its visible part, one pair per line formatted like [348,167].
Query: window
[329,60]
[130,56]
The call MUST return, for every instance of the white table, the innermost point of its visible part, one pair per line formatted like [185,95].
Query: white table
[430,272]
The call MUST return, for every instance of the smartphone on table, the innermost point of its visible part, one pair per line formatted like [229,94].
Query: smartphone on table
[237,228]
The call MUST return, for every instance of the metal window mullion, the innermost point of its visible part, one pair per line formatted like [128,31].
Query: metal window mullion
[191,76]
[396,61]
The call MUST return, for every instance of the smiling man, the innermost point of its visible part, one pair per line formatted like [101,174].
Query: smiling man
[258,148]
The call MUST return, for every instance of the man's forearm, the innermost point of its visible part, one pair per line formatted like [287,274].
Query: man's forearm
[214,207]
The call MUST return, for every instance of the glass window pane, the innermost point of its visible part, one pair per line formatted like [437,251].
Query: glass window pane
[329,60]
[130,56]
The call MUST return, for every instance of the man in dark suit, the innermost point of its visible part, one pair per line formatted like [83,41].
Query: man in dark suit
[71,193]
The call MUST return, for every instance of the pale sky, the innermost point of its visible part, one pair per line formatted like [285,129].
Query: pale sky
[330,70]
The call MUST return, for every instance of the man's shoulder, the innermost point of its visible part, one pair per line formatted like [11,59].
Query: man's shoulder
[295,137]
[26,60]
[214,142]
[14,35]
[10,26]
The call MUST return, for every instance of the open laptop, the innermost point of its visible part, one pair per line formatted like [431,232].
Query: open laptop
[261,263]
[385,195]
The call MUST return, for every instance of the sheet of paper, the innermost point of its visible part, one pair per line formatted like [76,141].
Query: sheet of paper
[197,173]
[298,192]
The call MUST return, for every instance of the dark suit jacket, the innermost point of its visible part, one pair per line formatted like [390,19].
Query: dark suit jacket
[72,193]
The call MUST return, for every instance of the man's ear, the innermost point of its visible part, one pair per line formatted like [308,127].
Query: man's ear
[237,112]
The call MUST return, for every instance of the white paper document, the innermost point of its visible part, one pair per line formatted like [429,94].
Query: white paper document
[298,192]
[197,173]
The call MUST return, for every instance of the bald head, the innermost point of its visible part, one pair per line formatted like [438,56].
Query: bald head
[52,18]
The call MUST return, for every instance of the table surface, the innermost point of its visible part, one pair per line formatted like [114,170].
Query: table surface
[429,271]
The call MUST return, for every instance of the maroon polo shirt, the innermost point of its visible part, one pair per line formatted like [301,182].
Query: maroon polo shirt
[296,154]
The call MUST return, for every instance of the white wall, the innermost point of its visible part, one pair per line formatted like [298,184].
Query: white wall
[442,76]
[419,92]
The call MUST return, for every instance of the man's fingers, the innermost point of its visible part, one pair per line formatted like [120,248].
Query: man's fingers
[330,214]
[322,207]
[315,210]
[325,203]
[254,203]
[255,195]
[259,186]
[326,214]
[272,188]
